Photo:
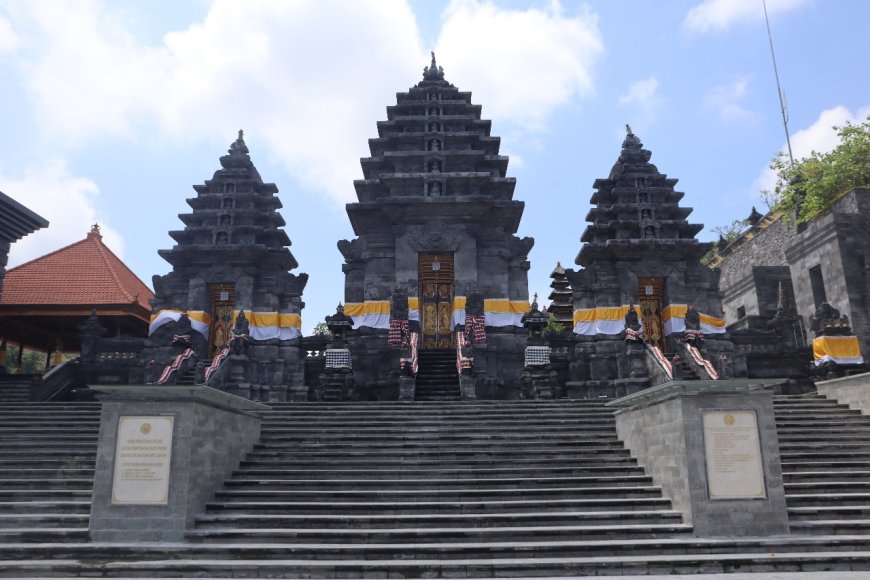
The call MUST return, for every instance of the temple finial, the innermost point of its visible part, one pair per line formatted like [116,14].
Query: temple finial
[238,147]
[95,231]
[433,72]
[628,129]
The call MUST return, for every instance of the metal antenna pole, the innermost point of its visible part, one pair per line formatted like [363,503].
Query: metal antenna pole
[778,88]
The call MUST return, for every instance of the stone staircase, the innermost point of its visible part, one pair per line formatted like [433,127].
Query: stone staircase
[14,390]
[47,454]
[447,489]
[437,378]
[825,451]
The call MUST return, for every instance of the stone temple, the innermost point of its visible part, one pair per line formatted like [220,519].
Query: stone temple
[435,222]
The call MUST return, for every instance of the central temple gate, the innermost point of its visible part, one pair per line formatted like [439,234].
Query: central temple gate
[223,297]
[436,300]
[650,292]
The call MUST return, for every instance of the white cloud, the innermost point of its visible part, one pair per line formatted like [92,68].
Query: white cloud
[727,100]
[643,99]
[68,202]
[820,137]
[720,14]
[8,39]
[307,80]
[520,64]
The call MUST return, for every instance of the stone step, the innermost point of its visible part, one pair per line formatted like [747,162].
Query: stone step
[422,495]
[682,544]
[438,445]
[394,484]
[434,457]
[43,473]
[69,506]
[522,565]
[43,534]
[824,499]
[291,507]
[14,484]
[44,520]
[862,476]
[469,520]
[628,467]
[316,462]
[345,536]
[829,513]
[836,465]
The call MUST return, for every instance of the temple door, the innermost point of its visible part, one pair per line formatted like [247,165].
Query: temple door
[223,298]
[436,300]
[650,293]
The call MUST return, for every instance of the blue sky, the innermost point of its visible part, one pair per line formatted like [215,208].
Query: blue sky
[111,110]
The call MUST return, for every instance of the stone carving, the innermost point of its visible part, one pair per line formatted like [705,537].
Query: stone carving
[91,332]
[693,318]
[520,247]
[433,72]
[827,321]
[632,321]
[350,249]
[241,336]
[399,304]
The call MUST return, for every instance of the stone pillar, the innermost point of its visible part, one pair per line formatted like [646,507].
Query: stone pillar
[713,449]
[162,454]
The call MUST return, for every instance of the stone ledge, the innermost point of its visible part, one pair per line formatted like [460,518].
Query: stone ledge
[192,393]
[708,387]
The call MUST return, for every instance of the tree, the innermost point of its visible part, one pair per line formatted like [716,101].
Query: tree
[815,182]
[320,329]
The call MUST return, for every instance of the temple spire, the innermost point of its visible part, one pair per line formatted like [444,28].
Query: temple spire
[238,147]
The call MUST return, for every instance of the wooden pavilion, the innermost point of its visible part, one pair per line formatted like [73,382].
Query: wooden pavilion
[45,301]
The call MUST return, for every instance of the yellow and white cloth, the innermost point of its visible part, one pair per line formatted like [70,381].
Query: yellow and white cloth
[674,319]
[199,320]
[262,325]
[497,311]
[843,350]
[611,320]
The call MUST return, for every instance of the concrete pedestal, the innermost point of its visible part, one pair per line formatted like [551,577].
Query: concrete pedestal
[184,440]
[712,447]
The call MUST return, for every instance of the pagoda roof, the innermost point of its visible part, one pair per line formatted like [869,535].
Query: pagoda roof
[86,273]
[16,221]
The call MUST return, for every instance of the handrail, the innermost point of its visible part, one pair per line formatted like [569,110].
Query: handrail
[660,358]
[216,364]
[702,362]
[174,366]
[56,382]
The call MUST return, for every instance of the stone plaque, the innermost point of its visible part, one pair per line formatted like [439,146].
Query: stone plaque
[142,454]
[733,453]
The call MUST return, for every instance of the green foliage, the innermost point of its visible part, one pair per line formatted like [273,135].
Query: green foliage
[320,329]
[32,362]
[553,326]
[816,181]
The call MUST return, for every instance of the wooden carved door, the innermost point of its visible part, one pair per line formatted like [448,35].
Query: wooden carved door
[650,292]
[223,298]
[436,300]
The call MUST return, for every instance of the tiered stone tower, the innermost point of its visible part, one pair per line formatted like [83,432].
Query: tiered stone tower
[436,219]
[561,297]
[639,249]
[232,256]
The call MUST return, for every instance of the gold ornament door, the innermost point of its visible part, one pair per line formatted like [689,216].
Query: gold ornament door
[436,300]
[223,298]
[650,293]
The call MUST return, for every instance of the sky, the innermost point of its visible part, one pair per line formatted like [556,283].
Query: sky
[112,110]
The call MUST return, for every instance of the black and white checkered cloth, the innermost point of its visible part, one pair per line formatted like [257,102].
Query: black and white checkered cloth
[338,358]
[537,355]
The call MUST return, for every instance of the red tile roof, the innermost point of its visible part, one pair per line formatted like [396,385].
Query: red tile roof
[84,273]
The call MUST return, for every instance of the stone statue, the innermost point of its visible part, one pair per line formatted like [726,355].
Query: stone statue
[241,334]
[399,304]
[693,318]
[827,321]
[632,321]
